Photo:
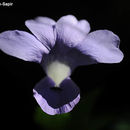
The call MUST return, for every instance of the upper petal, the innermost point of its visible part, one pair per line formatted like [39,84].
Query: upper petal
[45,20]
[84,25]
[44,32]
[103,46]
[70,31]
[22,45]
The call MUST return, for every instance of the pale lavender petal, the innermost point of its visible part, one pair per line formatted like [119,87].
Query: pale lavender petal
[56,100]
[69,19]
[44,32]
[103,46]
[84,25]
[22,45]
[69,30]
[45,20]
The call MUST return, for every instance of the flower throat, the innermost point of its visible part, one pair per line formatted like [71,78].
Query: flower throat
[58,71]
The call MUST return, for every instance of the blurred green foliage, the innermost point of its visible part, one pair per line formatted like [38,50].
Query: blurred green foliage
[123,126]
[51,122]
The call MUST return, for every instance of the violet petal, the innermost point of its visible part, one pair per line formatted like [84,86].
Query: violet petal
[45,20]
[102,46]
[84,25]
[70,31]
[22,45]
[70,56]
[56,100]
[44,32]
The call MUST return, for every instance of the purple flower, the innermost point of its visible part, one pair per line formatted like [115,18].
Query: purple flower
[59,47]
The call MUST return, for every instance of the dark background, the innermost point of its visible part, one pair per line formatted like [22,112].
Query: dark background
[104,87]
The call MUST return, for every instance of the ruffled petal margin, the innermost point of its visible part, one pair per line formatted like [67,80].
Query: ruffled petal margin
[53,111]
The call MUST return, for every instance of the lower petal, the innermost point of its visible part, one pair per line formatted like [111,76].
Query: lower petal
[53,100]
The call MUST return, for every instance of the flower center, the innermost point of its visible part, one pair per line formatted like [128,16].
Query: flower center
[58,71]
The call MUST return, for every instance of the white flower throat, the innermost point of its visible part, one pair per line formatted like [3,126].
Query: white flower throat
[58,71]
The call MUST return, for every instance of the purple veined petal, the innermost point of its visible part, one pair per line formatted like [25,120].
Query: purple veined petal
[22,45]
[45,20]
[103,46]
[69,31]
[44,32]
[56,100]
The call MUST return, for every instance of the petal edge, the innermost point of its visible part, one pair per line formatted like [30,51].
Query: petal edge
[22,45]
[103,46]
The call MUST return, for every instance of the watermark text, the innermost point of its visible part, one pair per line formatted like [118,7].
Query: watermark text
[6,4]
